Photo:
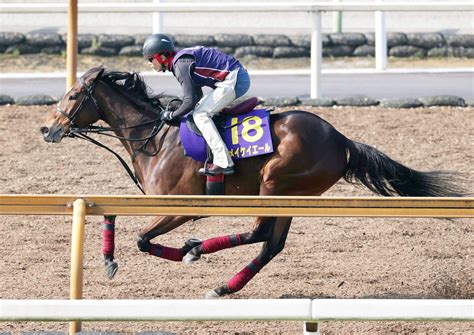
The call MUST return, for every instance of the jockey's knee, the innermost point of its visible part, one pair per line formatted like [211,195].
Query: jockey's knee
[143,244]
[200,118]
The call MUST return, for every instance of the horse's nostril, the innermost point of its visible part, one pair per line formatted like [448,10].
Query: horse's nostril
[44,130]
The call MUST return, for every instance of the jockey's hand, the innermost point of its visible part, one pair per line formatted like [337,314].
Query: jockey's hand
[167,116]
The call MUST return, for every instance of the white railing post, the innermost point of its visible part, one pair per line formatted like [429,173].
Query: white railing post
[316,55]
[380,41]
[157,19]
[337,20]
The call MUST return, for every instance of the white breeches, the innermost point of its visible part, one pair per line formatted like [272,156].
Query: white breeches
[206,108]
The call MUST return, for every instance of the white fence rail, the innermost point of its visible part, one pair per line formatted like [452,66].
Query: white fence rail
[310,311]
[253,7]
[314,8]
[238,309]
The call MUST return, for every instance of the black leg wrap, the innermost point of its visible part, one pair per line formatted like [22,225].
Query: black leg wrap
[190,244]
[218,292]
[214,187]
[223,290]
[110,218]
[143,245]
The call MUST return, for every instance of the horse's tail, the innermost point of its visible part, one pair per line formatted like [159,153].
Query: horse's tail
[384,176]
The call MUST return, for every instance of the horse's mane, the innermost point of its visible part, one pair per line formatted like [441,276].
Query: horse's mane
[130,84]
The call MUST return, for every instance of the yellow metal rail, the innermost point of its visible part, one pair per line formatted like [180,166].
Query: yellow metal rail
[239,206]
[77,257]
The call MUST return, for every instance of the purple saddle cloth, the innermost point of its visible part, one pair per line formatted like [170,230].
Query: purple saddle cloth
[246,135]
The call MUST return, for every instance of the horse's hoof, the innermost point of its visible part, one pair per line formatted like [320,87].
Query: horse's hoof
[111,268]
[212,294]
[190,258]
[194,252]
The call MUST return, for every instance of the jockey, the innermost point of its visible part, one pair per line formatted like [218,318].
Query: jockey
[194,68]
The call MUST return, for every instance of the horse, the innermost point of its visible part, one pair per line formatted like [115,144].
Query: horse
[309,157]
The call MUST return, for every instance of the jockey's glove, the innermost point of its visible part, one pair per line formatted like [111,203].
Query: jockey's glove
[167,116]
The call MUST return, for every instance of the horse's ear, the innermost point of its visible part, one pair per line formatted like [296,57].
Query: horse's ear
[99,74]
[92,82]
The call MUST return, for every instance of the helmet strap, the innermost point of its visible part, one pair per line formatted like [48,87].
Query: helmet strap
[165,61]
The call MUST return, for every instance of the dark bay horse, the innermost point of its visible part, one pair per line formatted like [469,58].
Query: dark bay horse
[309,157]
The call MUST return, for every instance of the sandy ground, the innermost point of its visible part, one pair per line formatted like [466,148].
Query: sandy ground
[323,257]
[56,63]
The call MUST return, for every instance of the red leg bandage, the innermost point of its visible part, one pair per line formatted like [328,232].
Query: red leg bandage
[217,178]
[108,238]
[218,243]
[171,254]
[243,277]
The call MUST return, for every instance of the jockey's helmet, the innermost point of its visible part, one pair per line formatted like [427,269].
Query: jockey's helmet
[159,47]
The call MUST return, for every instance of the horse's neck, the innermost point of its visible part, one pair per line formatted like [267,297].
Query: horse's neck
[120,114]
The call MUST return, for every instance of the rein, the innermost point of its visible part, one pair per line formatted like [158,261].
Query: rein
[104,131]
[121,160]
[81,133]
[77,132]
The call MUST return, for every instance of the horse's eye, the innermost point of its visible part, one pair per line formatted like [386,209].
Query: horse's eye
[74,96]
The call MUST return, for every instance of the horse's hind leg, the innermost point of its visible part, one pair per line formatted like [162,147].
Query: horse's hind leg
[159,226]
[260,234]
[270,249]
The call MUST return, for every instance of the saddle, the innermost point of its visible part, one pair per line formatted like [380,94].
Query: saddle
[244,130]
[219,119]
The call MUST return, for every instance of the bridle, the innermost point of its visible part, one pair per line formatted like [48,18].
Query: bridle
[89,89]
[77,132]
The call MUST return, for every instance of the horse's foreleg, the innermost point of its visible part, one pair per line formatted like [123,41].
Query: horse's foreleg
[159,226]
[260,234]
[270,249]
[108,246]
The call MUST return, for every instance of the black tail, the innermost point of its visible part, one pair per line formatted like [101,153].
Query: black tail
[384,176]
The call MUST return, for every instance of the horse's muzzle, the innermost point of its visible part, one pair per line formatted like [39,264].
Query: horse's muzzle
[52,134]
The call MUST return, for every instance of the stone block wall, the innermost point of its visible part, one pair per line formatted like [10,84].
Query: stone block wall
[261,45]
[354,101]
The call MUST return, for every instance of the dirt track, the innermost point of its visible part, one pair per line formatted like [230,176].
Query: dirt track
[332,257]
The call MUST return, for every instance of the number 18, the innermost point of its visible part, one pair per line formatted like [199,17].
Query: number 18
[249,123]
